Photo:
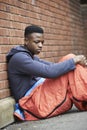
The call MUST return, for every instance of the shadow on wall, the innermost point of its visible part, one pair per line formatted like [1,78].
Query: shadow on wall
[83,1]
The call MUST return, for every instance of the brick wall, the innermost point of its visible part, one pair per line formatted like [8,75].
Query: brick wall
[84,16]
[61,20]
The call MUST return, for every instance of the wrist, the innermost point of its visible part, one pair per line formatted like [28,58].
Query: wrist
[75,60]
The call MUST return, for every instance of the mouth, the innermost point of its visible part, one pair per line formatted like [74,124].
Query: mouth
[39,50]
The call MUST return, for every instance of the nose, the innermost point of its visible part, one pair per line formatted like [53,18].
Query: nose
[40,44]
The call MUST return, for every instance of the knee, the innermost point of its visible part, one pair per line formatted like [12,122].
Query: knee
[71,55]
[68,56]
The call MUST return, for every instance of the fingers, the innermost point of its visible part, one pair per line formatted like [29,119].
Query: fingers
[86,62]
[80,59]
[83,60]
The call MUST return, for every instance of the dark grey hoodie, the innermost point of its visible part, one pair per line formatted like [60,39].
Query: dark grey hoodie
[25,69]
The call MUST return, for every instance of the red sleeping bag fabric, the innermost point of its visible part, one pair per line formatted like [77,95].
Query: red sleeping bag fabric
[56,96]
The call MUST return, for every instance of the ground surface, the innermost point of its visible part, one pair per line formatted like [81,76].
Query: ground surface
[73,120]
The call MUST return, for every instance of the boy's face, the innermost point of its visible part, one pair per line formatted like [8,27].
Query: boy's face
[34,42]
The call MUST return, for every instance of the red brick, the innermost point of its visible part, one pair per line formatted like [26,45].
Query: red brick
[3,66]
[3,75]
[3,15]
[3,41]
[5,48]
[4,84]
[16,41]
[4,32]
[5,23]
[2,6]
[4,93]
[2,58]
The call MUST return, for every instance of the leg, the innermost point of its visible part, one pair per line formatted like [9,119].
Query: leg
[78,86]
[50,98]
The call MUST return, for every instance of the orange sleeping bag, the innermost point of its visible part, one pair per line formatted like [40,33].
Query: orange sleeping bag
[56,96]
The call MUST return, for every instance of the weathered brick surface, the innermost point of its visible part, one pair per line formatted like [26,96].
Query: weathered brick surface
[84,14]
[61,20]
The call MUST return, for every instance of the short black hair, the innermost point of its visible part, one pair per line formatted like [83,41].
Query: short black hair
[32,29]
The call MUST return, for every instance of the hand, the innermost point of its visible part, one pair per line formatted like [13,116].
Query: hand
[80,59]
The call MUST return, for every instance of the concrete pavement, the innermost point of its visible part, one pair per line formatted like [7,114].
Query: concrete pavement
[72,120]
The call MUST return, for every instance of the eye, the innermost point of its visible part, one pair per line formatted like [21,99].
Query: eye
[36,42]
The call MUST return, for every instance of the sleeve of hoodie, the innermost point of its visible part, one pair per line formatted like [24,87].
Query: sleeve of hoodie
[24,64]
[43,61]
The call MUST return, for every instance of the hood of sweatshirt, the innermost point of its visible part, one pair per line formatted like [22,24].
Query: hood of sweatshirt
[15,50]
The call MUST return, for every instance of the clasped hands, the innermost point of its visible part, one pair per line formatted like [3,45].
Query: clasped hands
[80,59]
